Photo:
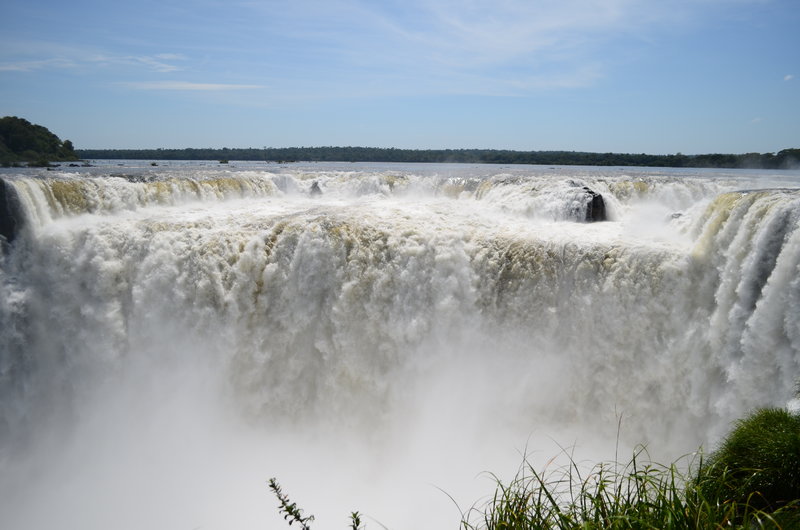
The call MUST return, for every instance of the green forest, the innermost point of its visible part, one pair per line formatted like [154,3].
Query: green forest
[786,159]
[22,141]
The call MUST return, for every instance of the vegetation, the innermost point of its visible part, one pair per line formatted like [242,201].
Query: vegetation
[293,514]
[642,495]
[786,159]
[22,141]
[751,481]
[759,461]
[290,511]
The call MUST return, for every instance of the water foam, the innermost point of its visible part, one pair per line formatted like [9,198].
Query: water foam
[173,338]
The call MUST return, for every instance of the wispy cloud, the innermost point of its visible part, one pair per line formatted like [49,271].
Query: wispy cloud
[507,30]
[504,47]
[156,62]
[171,56]
[29,66]
[186,86]
[788,77]
[325,49]
[46,56]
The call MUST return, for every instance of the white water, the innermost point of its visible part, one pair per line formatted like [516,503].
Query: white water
[173,337]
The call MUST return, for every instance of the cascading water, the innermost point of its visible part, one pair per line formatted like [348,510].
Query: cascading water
[170,338]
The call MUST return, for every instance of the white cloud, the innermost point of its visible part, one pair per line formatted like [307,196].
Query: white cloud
[29,66]
[156,62]
[339,48]
[28,56]
[170,56]
[788,77]
[187,86]
[502,47]
[507,29]
[465,34]
[157,65]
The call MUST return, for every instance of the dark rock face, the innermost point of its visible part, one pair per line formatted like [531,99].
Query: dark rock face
[595,206]
[10,218]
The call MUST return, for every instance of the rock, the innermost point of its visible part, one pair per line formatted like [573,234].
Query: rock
[315,190]
[10,218]
[595,206]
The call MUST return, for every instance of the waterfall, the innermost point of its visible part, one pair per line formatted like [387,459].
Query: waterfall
[414,310]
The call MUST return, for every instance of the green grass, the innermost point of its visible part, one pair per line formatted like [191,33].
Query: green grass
[760,459]
[639,495]
[751,481]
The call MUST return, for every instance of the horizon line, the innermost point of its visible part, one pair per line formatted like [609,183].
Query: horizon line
[431,149]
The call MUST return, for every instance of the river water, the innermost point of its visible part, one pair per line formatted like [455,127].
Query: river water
[372,335]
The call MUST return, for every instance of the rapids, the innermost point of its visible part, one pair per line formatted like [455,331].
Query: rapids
[171,337]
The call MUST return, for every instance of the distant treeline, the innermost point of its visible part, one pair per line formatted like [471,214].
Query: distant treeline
[788,158]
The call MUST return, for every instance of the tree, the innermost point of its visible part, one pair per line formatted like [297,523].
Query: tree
[23,141]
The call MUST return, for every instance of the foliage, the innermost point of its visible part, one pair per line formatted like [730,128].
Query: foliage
[293,514]
[289,509]
[641,495]
[785,159]
[22,141]
[751,482]
[759,460]
[355,521]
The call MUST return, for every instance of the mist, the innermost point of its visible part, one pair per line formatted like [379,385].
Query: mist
[173,338]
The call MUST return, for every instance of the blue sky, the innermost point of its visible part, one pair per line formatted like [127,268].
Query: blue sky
[690,76]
